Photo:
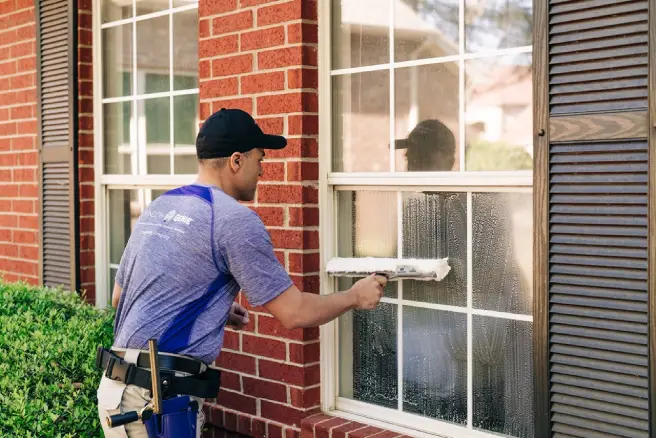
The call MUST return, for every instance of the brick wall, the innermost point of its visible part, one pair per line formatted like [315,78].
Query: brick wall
[261,56]
[85,151]
[19,223]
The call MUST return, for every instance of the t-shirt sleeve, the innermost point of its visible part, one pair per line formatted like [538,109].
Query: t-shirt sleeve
[247,250]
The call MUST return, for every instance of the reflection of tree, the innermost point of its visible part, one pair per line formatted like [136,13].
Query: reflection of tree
[489,24]
[485,155]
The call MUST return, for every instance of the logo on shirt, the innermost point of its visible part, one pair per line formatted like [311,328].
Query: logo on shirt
[177,217]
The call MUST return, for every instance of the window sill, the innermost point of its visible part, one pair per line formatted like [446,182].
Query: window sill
[337,424]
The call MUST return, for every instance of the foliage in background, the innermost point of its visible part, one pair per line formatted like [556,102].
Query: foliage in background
[48,378]
[484,155]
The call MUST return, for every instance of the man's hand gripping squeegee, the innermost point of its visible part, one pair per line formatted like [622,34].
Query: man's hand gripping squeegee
[393,269]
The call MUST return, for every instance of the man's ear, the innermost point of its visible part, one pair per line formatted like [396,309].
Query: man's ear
[236,160]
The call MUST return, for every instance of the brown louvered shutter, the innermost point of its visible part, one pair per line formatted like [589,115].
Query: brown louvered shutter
[592,218]
[57,116]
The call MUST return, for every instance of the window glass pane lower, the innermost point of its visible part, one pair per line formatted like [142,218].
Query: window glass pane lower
[119,138]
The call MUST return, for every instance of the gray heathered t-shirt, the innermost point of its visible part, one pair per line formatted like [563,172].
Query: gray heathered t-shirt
[189,254]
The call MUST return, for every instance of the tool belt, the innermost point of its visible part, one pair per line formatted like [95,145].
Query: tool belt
[203,385]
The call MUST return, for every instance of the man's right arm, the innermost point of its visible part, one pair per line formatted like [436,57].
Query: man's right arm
[296,309]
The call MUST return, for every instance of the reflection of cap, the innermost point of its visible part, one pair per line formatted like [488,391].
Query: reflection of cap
[429,134]
[233,130]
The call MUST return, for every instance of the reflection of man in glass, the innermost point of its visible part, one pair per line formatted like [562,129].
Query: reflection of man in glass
[434,225]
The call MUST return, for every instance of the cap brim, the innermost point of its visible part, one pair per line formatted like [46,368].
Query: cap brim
[402,144]
[269,141]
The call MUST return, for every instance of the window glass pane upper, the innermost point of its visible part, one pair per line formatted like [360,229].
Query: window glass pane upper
[498,24]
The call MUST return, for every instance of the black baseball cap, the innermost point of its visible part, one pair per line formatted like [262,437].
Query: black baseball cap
[232,130]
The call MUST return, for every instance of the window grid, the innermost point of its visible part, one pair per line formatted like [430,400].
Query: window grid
[458,180]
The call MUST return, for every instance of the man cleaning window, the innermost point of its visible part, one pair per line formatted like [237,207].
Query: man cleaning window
[190,253]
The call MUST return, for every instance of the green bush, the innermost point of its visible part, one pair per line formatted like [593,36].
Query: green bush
[48,377]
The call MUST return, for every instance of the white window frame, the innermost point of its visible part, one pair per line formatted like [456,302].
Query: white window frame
[457,181]
[104,182]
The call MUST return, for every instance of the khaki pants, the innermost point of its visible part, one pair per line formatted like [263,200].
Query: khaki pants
[116,397]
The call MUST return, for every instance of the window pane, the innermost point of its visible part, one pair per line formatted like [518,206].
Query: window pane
[149,6]
[435,363]
[185,129]
[499,113]
[502,228]
[498,24]
[360,33]
[368,361]
[425,29]
[117,61]
[503,376]
[114,10]
[427,108]
[119,155]
[153,53]
[158,134]
[435,226]
[185,49]
[361,122]
[123,210]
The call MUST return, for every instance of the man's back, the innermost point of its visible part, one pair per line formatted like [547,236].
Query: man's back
[182,269]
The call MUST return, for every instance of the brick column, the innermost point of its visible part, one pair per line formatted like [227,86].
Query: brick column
[19,222]
[85,151]
[261,56]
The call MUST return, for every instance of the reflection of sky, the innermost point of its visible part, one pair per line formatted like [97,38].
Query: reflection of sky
[490,24]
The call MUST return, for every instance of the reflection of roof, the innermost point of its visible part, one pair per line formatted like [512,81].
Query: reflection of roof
[511,85]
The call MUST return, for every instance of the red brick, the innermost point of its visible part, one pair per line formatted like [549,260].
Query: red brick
[23,49]
[85,157]
[22,143]
[264,389]
[8,68]
[213,7]
[287,103]
[22,206]
[302,171]
[247,3]
[29,127]
[245,104]
[244,425]
[305,124]
[8,128]
[281,413]
[307,283]
[7,220]
[28,159]
[28,64]
[230,380]
[273,171]
[307,33]
[5,236]
[234,361]
[258,428]
[305,398]
[29,253]
[274,431]
[262,39]
[230,420]
[270,326]
[7,160]
[232,65]
[231,340]
[292,433]
[287,57]
[280,255]
[205,69]
[302,263]
[302,78]
[271,216]
[219,87]
[28,190]
[287,194]
[341,431]
[11,250]
[204,28]
[237,401]
[25,237]
[232,23]
[322,430]
[218,46]
[289,11]
[272,125]
[294,239]
[263,82]
[28,222]
[290,374]
[22,81]
[20,267]
[5,175]
[216,415]
[27,175]
[270,348]
[363,433]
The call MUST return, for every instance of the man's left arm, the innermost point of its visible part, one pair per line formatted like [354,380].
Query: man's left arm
[116,295]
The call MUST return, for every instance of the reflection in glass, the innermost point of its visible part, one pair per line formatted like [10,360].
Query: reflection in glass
[117,61]
[153,53]
[361,122]
[185,49]
[498,24]
[118,131]
[114,10]
[124,209]
[503,376]
[499,113]
[185,129]
[158,134]
[425,29]
[149,6]
[502,229]
[360,33]
[426,126]
[435,364]
[368,361]
[435,226]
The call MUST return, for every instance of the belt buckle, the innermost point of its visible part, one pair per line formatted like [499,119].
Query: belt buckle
[122,372]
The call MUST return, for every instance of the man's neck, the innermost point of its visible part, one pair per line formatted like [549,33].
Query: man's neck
[212,180]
